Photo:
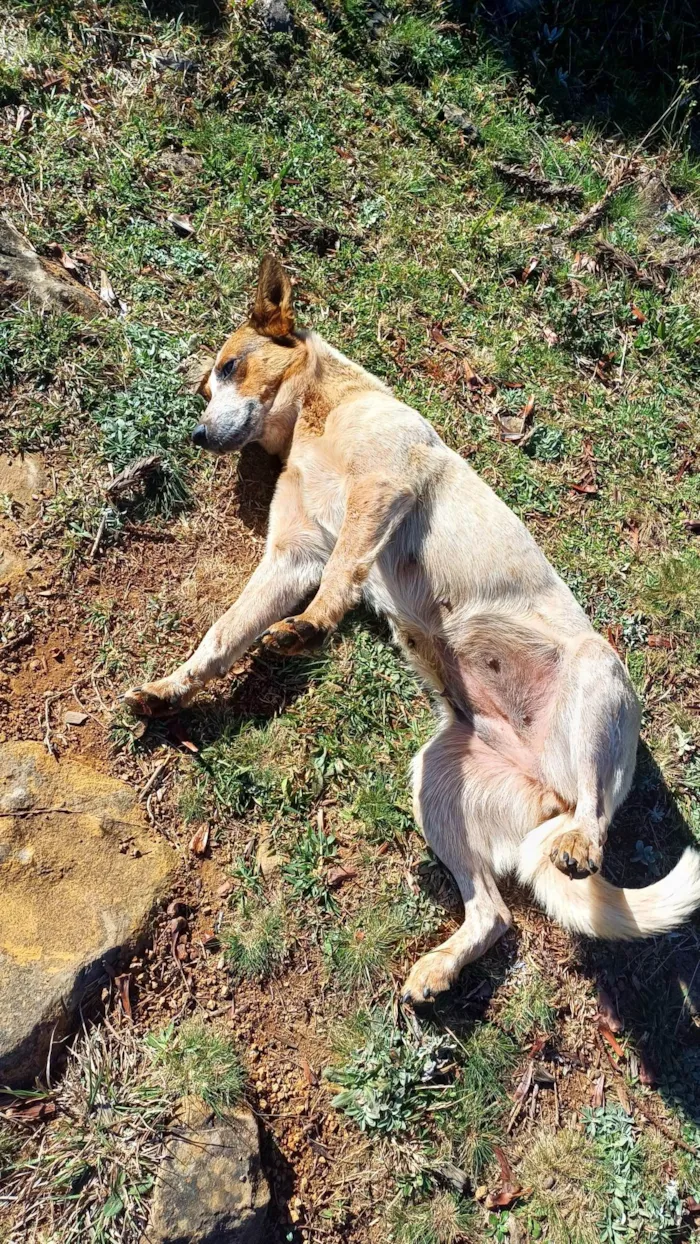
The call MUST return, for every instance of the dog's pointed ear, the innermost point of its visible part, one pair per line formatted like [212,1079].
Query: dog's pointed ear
[272,313]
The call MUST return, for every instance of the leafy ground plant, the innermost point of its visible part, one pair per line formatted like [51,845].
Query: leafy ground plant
[255,942]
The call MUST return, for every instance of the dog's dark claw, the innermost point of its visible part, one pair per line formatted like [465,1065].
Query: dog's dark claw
[427,992]
[565,857]
[592,866]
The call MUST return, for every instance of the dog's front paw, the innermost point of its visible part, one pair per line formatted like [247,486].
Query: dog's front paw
[290,637]
[573,853]
[155,699]
[432,974]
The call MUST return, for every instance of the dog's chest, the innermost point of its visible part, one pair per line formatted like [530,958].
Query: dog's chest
[323,492]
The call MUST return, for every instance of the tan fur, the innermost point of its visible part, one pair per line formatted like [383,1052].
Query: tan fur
[539,719]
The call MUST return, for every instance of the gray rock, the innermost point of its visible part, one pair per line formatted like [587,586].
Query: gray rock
[210,1188]
[71,899]
[274,15]
[455,115]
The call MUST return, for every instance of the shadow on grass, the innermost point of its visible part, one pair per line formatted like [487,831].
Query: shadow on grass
[617,64]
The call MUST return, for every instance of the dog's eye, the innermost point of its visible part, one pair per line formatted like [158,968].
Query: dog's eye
[227,369]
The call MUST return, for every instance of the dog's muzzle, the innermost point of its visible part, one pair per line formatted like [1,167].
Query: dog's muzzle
[199,436]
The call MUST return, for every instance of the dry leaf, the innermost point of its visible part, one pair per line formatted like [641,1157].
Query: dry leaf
[550,336]
[309,1074]
[607,1011]
[659,641]
[647,1074]
[29,1111]
[182,225]
[624,1099]
[122,983]
[107,293]
[338,877]
[612,1041]
[638,315]
[23,115]
[530,267]
[200,840]
[598,1097]
[524,1085]
[441,340]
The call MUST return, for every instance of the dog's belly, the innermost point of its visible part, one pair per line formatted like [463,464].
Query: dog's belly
[498,673]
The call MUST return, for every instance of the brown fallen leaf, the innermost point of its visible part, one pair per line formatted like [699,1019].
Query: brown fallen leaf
[598,1095]
[607,1011]
[29,1111]
[123,983]
[659,641]
[472,378]
[510,1190]
[612,1040]
[623,1096]
[589,489]
[338,876]
[66,261]
[638,315]
[441,340]
[200,840]
[530,267]
[308,1072]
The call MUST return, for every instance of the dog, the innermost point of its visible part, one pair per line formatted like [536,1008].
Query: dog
[538,720]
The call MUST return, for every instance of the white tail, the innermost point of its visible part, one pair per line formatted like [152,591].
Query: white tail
[599,909]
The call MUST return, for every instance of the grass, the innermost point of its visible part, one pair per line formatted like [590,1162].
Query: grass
[255,942]
[195,1060]
[332,147]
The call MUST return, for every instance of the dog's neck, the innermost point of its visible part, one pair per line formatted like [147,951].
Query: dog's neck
[310,390]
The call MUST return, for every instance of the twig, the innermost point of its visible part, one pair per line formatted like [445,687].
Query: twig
[17,642]
[594,215]
[154,778]
[460,280]
[98,538]
[48,701]
[539,186]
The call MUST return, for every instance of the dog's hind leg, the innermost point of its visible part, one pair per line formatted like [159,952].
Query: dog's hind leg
[473,808]
[588,753]
[291,568]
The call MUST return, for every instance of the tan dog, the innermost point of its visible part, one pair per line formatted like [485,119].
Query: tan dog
[539,723]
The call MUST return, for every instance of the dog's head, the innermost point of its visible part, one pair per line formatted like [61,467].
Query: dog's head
[251,367]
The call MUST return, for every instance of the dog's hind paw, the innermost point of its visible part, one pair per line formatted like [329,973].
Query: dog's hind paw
[573,853]
[433,974]
[290,637]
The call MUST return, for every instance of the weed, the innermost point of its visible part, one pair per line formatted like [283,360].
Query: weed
[637,1203]
[306,870]
[255,941]
[388,1080]
[197,1060]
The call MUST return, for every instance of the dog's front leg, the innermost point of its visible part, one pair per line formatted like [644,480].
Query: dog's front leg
[290,570]
[375,507]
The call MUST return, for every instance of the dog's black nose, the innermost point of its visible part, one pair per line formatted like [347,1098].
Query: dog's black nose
[199,436]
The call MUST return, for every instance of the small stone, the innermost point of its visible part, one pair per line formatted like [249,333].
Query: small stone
[266,858]
[548,1182]
[75,719]
[458,117]
[274,15]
